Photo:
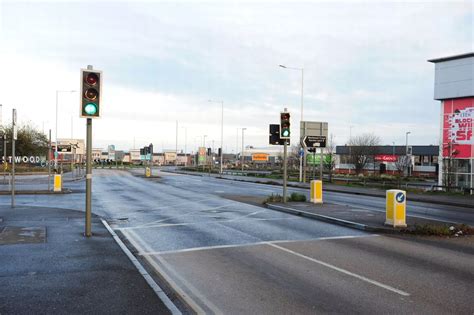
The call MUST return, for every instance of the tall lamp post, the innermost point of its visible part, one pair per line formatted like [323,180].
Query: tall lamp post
[302,84]
[222,130]
[242,155]
[56,146]
[406,150]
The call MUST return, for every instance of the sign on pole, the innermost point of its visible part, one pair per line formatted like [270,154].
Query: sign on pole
[313,142]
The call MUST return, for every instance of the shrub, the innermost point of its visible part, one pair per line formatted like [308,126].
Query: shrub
[297,197]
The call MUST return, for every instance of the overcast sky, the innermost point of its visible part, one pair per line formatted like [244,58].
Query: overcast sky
[364,66]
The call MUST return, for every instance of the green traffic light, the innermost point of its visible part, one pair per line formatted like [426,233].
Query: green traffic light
[285,133]
[90,109]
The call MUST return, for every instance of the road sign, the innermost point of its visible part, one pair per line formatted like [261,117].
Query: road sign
[400,197]
[301,153]
[313,142]
[313,128]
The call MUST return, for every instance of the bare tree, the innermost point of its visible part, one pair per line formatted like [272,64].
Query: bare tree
[402,164]
[362,148]
[330,160]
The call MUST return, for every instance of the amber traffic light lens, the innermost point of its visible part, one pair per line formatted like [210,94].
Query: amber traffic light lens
[91,94]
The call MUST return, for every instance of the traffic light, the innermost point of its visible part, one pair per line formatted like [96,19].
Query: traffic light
[219,152]
[209,151]
[91,82]
[285,125]
[274,136]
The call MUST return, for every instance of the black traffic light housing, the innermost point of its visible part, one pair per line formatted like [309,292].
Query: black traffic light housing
[285,132]
[274,136]
[91,84]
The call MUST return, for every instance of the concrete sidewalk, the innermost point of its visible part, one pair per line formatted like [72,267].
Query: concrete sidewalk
[459,201]
[354,217]
[49,267]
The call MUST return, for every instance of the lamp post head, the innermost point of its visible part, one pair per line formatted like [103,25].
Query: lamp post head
[282,66]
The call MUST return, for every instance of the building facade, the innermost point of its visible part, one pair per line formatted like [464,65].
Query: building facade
[454,88]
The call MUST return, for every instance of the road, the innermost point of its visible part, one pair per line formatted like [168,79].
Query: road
[225,256]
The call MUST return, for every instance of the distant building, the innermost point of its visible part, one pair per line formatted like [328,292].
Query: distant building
[423,159]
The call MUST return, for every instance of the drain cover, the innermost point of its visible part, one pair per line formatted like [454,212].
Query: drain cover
[22,235]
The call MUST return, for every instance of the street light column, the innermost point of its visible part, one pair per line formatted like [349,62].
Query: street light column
[406,151]
[222,135]
[302,85]
[242,155]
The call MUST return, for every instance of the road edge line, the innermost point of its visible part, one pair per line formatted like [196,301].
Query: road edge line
[154,286]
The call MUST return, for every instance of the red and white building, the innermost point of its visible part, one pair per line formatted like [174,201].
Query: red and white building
[454,88]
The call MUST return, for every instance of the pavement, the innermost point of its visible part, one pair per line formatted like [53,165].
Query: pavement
[49,267]
[459,201]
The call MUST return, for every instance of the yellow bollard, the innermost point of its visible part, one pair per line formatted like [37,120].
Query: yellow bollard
[395,208]
[147,172]
[316,194]
[58,183]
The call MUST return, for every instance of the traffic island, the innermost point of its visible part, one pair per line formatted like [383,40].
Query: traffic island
[369,220]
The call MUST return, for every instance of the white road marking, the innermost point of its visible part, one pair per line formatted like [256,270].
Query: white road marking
[140,227]
[344,271]
[194,249]
[137,242]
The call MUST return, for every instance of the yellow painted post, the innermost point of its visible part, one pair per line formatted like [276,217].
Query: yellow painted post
[316,194]
[395,208]
[58,183]
[147,172]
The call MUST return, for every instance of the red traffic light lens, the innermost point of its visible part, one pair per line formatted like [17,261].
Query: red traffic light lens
[285,116]
[92,79]
[91,94]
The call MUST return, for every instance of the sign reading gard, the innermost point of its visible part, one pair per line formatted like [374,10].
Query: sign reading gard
[260,157]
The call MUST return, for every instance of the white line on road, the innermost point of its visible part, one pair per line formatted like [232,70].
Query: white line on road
[140,245]
[155,287]
[376,283]
[194,249]
[139,227]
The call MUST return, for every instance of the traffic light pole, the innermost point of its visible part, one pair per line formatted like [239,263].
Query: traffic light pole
[285,177]
[88,232]
[13,156]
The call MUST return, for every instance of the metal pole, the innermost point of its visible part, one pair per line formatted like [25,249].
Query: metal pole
[176,160]
[406,152]
[88,227]
[4,157]
[302,158]
[242,155]
[49,161]
[88,231]
[321,165]
[285,177]
[56,136]
[222,135]
[13,156]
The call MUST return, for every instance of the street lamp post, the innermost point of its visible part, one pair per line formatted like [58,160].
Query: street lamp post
[56,146]
[222,131]
[350,146]
[302,84]
[406,151]
[242,155]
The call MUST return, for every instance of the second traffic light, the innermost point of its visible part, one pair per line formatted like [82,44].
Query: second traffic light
[285,125]
[91,83]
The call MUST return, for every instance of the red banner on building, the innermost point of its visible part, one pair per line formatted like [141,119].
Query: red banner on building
[458,117]
[385,158]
